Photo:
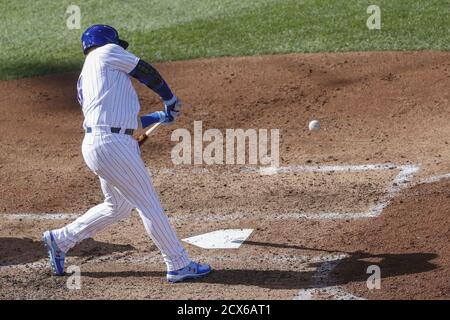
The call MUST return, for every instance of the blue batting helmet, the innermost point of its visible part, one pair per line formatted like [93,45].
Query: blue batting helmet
[98,35]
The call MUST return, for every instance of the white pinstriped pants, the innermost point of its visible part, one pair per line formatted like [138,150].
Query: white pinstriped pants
[126,184]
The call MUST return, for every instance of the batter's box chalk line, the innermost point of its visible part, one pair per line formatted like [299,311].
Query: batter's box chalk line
[320,288]
[400,182]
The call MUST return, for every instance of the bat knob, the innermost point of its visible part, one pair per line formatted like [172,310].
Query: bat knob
[141,139]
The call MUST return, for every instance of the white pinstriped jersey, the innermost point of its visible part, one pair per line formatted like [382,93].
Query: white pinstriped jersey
[108,98]
[105,91]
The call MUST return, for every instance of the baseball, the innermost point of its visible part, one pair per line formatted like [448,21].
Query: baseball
[314,125]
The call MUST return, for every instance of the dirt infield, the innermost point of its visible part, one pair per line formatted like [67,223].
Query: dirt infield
[384,200]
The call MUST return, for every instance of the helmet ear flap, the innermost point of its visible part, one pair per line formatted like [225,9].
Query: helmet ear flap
[123,44]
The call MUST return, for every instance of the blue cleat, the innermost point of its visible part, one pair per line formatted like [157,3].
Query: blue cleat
[192,271]
[54,253]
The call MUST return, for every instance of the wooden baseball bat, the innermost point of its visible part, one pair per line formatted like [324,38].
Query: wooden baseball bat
[143,137]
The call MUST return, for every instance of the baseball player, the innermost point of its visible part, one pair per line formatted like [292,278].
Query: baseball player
[110,106]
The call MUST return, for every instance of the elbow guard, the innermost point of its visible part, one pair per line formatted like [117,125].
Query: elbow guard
[149,76]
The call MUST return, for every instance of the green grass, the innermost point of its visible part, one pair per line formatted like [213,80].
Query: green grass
[35,40]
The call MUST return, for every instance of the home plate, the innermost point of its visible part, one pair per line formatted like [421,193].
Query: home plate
[220,239]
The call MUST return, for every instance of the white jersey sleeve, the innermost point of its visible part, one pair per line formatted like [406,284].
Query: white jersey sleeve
[105,90]
[118,58]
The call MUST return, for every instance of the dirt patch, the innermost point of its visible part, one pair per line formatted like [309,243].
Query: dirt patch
[410,244]
[374,108]
[285,193]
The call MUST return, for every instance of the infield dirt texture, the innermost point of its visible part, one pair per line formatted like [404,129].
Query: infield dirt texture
[371,188]
[387,110]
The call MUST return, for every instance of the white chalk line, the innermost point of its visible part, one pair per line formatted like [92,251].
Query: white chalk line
[207,217]
[401,181]
[309,169]
[328,293]
[32,266]
[321,289]
[322,168]
[40,216]
[319,278]
[275,170]
[434,179]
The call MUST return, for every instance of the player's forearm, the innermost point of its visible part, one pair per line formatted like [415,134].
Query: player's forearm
[148,75]
[165,93]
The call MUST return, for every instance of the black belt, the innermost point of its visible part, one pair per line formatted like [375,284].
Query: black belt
[114,130]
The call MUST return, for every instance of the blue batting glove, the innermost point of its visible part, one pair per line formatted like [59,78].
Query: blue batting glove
[172,110]
[154,117]
[167,117]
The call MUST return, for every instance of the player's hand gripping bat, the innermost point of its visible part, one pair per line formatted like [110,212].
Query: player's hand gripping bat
[143,137]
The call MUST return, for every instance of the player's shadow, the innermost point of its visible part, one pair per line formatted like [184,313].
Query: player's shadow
[14,251]
[274,279]
[353,267]
[291,275]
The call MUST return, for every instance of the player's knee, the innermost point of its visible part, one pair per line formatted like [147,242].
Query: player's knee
[124,211]
[120,210]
